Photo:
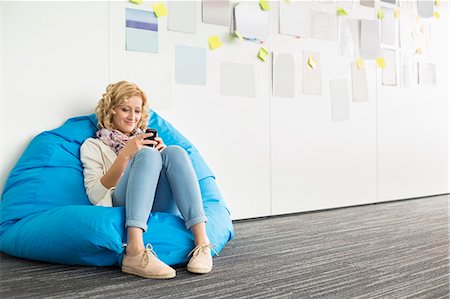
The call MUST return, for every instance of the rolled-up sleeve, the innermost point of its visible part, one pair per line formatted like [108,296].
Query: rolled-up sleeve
[93,171]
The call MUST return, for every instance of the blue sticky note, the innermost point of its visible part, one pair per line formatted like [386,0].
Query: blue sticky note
[190,65]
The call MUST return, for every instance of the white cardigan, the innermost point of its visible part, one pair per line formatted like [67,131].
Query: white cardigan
[97,158]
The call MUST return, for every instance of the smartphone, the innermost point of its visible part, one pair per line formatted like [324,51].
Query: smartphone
[155,133]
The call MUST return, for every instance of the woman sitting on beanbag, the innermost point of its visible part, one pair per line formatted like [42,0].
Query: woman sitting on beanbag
[125,166]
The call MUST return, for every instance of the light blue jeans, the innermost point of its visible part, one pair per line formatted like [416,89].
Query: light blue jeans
[159,182]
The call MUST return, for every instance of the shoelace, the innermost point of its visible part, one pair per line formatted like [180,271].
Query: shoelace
[148,250]
[202,247]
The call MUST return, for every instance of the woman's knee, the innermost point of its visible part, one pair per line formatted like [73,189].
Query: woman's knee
[149,155]
[175,150]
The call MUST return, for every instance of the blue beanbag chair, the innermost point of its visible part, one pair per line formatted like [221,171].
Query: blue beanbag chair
[45,214]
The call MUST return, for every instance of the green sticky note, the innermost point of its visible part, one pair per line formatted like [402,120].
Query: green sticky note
[238,35]
[263,54]
[341,11]
[380,14]
[264,4]
[160,10]
[214,42]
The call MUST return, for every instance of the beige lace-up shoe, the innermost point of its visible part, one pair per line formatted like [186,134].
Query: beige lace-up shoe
[147,264]
[201,260]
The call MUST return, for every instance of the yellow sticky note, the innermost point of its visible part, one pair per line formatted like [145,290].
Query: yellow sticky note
[397,13]
[360,63]
[417,19]
[311,62]
[380,62]
[436,2]
[214,42]
[380,14]
[136,1]
[436,15]
[419,51]
[263,54]
[264,4]
[341,11]
[238,35]
[160,10]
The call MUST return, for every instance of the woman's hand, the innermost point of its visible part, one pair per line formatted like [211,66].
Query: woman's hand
[135,144]
[160,146]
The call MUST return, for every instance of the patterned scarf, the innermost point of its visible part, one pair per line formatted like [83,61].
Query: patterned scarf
[116,139]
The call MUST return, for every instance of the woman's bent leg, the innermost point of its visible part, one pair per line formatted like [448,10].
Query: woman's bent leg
[184,184]
[137,187]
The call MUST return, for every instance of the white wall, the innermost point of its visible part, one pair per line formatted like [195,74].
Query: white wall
[270,155]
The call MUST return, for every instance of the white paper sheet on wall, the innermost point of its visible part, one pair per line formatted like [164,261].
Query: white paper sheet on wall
[181,16]
[349,37]
[407,31]
[284,75]
[368,3]
[388,27]
[251,21]
[294,19]
[370,39]
[190,65]
[323,25]
[408,71]
[359,84]
[425,8]
[237,79]
[427,73]
[312,76]
[216,12]
[389,73]
[339,100]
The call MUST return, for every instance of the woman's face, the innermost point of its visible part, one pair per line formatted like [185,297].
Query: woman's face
[128,114]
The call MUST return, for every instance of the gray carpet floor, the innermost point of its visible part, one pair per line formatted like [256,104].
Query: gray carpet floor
[389,250]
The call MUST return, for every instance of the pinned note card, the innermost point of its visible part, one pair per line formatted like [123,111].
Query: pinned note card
[311,62]
[182,17]
[341,11]
[427,73]
[388,27]
[141,31]
[380,62]
[264,4]
[370,40]
[216,12]
[160,10]
[190,65]
[359,84]
[251,21]
[339,100]
[425,8]
[389,72]
[262,54]
[284,75]
[349,37]
[323,25]
[294,18]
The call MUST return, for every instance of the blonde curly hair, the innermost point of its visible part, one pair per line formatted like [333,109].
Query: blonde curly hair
[115,95]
